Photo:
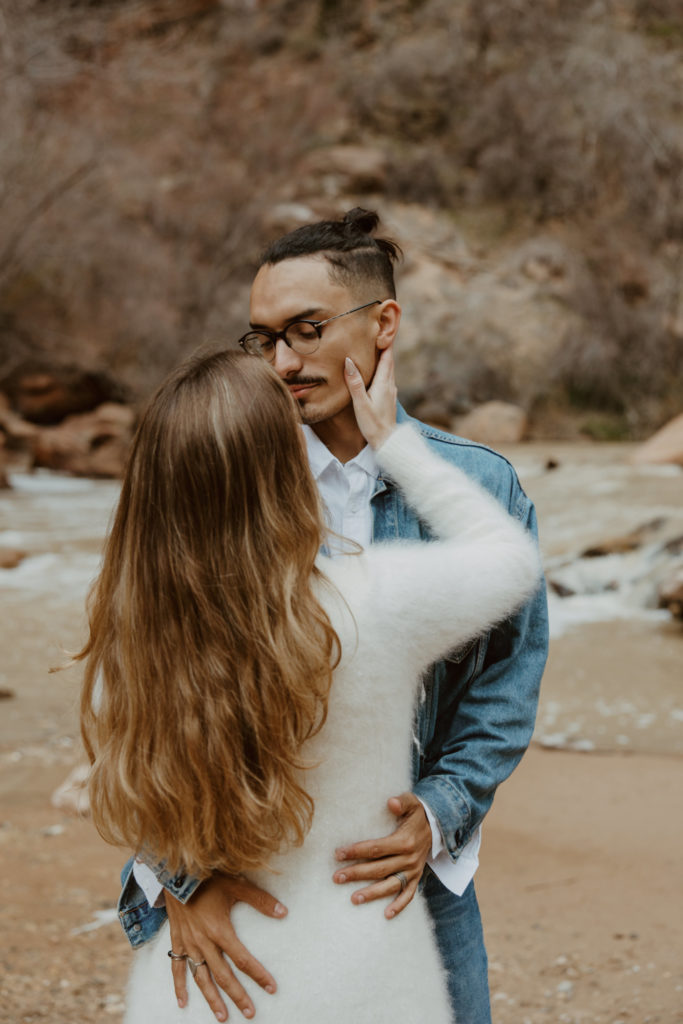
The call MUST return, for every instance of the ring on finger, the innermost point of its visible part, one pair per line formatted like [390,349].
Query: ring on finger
[195,965]
[402,879]
[177,956]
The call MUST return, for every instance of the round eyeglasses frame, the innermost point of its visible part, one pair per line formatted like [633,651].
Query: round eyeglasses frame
[263,342]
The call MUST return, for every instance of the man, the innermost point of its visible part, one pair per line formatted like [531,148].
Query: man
[322,293]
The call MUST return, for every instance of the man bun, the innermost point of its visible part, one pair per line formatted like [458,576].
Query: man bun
[362,221]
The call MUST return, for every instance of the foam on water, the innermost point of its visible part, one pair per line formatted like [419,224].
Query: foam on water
[568,613]
[60,522]
[44,481]
[69,575]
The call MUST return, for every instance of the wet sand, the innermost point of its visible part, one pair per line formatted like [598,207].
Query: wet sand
[581,880]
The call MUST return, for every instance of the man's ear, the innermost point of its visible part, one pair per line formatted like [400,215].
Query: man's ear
[387,322]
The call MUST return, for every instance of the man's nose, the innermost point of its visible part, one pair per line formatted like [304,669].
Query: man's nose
[287,362]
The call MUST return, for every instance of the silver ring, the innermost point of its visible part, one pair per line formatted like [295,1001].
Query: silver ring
[177,956]
[194,965]
[402,879]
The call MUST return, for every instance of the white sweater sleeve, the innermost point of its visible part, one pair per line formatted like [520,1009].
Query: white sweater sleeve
[482,566]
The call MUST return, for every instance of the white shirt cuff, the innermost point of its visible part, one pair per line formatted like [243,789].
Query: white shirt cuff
[150,884]
[454,875]
[437,841]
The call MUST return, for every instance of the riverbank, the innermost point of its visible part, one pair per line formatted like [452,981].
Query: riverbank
[581,875]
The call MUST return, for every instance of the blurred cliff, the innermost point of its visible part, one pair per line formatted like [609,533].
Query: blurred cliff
[527,157]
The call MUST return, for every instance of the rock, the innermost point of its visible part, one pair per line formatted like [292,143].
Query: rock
[481,330]
[429,235]
[626,542]
[53,830]
[46,395]
[561,589]
[16,434]
[287,216]
[493,423]
[6,693]
[91,444]
[10,559]
[666,445]
[72,795]
[670,594]
[4,479]
[434,412]
[349,168]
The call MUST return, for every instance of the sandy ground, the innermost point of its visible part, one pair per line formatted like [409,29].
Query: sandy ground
[581,881]
[580,887]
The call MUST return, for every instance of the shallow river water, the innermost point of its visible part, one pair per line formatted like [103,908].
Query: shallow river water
[614,679]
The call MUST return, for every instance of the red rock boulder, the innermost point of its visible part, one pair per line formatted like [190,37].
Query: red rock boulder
[664,446]
[671,594]
[10,558]
[493,423]
[91,444]
[46,395]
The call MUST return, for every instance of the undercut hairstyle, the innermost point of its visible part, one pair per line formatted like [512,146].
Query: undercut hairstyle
[210,658]
[357,260]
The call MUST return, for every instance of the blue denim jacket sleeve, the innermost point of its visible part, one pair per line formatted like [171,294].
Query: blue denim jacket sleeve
[139,921]
[478,719]
[478,707]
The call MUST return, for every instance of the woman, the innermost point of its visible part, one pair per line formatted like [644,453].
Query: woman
[256,697]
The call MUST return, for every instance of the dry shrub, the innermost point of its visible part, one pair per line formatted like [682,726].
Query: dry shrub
[132,193]
[627,356]
[408,92]
[552,107]
[595,124]
[662,19]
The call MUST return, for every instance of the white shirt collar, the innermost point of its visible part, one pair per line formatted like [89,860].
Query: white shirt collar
[320,457]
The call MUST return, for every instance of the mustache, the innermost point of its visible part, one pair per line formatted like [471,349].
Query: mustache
[302,381]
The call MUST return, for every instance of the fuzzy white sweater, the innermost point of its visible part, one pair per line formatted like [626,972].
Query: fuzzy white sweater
[396,607]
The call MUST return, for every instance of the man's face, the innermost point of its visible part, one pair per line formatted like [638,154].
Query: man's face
[301,289]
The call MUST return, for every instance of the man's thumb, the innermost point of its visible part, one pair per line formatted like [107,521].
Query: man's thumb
[399,805]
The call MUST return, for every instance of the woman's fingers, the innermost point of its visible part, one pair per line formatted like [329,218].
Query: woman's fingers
[384,374]
[179,969]
[226,979]
[207,986]
[375,409]
[204,981]
[211,972]
[204,925]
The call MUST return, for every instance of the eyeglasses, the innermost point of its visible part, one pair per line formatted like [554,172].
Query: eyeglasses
[302,336]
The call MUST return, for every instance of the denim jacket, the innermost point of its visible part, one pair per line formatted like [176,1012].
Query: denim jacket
[477,709]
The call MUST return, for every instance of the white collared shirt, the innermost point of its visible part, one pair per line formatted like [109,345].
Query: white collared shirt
[346,490]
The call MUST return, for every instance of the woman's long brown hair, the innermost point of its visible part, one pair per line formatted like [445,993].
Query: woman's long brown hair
[209,658]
